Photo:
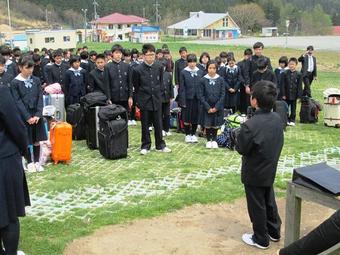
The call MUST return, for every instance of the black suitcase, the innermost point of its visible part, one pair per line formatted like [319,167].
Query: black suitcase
[93,99]
[113,138]
[92,127]
[75,117]
[281,108]
[309,110]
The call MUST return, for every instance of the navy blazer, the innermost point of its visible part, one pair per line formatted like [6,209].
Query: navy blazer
[13,134]
[55,73]
[292,85]
[28,100]
[189,86]
[260,142]
[180,64]
[233,80]
[6,78]
[212,95]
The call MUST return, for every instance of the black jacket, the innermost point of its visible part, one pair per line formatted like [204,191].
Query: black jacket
[148,82]
[13,135]
[168,88]
[253,65]
[189,86]
[75,85]
[292,85]
[180,64]
[267,75]
[38,72]
[279,73]
[244,66]
[6,78]
[260,142]
[304,61]
[212,95]
[28,100]
[118,81]
[56,74]
[96,81]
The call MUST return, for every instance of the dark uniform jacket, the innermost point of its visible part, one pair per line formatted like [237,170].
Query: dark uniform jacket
[189,85]
[75,83]
[56,73]
[168,88]
[279,73]
[96,81]
[304,61]
[253,65]
[118,81]
[180,64]
[6,78]
[233,80]
[203,68]
[244,66]
[212,92]
[260,142]
[292,84]
[13,134]
[267,75]
[28,99]
[38,72]
[11,68]
[148,82]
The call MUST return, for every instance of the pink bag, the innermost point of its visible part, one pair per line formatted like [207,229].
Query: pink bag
[54,88]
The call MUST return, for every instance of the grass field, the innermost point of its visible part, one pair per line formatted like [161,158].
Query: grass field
[74,200]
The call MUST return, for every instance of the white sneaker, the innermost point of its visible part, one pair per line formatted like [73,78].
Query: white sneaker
[163,133]
[165,150]
[208,145]
[39,167]
[144,151]
[292,124]
[20,253]
[31,168]
[194,139]
[129,123]
[133,123]
[248,239]
[150,128]
[168,133]
[214,145]
[187,139]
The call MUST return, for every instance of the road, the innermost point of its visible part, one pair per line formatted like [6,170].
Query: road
[298,42]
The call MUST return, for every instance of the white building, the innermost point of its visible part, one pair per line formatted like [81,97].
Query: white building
[54,39]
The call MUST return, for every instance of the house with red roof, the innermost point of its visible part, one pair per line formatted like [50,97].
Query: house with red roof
[116,26]
[336,30]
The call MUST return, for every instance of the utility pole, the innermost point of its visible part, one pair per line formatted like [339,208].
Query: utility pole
[143,12]
[9,21]
[157,5]
[95,4]
[85,22]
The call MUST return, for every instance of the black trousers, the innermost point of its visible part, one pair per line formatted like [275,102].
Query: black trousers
[244,100]
[320,239]
[9,237]
[292,107]
[307,81]
[166,116]
[155,118]
[263,213]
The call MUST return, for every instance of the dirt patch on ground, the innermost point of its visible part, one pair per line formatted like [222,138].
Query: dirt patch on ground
[196,230]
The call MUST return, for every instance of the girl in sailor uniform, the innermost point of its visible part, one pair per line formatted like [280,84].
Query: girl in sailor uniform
[203,61]
[212,100]
[75,81]
[189,97]
[27,93]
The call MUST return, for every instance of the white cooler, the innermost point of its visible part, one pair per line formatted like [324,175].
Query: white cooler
[332,107]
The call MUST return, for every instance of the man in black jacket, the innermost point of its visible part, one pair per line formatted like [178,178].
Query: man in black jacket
[96,76]
[308,70]
[180,64]
[260,142]
[56,71]
[147,79]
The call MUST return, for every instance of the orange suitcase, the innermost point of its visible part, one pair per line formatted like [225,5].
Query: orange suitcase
[61,141]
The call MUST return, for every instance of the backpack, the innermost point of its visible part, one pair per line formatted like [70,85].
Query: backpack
[92,99]
[112,112]
[227,138]
[309,112]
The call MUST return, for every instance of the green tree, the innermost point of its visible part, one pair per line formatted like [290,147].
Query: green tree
[316,22]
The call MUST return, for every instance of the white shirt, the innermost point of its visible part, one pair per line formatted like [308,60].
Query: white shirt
[310,64]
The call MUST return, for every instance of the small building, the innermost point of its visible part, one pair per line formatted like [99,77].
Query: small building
[269,31]
[206,26]
[145,34]
[116,27]
[20,41]
[64,39]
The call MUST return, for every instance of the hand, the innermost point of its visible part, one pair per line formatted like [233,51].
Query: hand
[36,119]
[248,90]
[284,97]
[231,90]
[210,110]
[214,110]
[108,102]
[130,102]
[31,121]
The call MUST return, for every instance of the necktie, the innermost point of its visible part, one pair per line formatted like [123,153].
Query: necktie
[76,72]
[28,83]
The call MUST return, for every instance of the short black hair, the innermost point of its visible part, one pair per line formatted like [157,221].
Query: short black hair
[248,52]
[283,60]
[310,47]
[148,47]
[36,58]
[191,58]
[84,55]
[262,63]
[2,60]
[100,56]
[258,45]
[92,53]
[5,51]
[293,60]
[182,49]
[36,50]
[265,93]
[218,59]
[166,51]
[74,59]
[134,51]
[26,60]
[204,54]
[117,47]
[16,52]
[165,46]
[57,53]
[223,54]
[85,47]
[126,53]
[212,62]
[231,58]
[159,51]
[108,53]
